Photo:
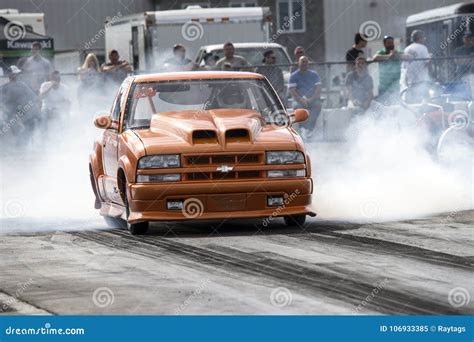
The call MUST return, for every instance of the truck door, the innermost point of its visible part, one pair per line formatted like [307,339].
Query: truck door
[110,149]
[138,48]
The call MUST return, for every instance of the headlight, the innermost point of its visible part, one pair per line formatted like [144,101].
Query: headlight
[159,161]
[172,177]
[286,173]
[285,157]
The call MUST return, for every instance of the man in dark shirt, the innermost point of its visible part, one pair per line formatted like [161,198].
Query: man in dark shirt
[360,42]
[116,70]
[179,62]
[360,86]
[18,104]
[464,66]
[273,73]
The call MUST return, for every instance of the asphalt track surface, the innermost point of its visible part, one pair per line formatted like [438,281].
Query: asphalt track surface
[411,267]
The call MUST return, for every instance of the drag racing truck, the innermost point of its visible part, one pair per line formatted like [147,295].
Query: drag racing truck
[199,145]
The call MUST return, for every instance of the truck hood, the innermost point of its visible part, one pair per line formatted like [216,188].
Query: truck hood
[192,131]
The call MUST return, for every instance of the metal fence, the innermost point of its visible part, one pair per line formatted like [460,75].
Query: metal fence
[332,75]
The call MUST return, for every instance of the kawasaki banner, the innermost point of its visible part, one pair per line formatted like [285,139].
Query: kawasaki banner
[22,47]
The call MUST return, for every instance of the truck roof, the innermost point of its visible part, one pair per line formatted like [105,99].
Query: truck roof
[207,14]
[440,13]
[195,75]
[212,47]
[181,16]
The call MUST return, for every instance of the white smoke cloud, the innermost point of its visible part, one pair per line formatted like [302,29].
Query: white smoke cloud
[384,172]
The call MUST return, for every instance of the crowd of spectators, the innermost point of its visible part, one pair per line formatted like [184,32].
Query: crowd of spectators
[40,90]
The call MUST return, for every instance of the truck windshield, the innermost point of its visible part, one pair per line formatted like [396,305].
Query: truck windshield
[148,99]
[255,55]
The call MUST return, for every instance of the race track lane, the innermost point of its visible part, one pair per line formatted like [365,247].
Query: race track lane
[197,268]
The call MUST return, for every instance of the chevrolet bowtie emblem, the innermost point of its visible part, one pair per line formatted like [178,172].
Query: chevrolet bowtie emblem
[224,168]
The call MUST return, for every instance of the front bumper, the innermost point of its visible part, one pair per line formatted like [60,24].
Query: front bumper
[219,200]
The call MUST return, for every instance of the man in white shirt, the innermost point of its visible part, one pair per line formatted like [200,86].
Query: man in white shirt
[55,97]
[235,61]
[36,68]
[414,72]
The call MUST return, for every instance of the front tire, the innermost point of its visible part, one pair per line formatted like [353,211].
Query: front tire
[295,220]
[139,228]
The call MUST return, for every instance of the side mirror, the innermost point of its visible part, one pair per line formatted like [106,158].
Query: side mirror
[300,115]
[105,122]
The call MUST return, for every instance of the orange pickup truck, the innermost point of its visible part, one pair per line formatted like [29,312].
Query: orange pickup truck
[199,145]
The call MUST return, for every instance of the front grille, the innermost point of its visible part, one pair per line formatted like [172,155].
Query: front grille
[198,176]
[224,159]
[198,160]
[216,160]
[249,174]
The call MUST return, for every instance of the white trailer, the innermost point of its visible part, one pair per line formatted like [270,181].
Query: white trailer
[31,21]
[147,39]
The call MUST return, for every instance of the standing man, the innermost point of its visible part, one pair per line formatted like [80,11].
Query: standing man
[36,68]
[360,86]
[297,53]
[360,42]
[415,74]
[235,61]
[55,98]
[305,88]
[389,59]
[18,106]
[273,73]
[465,65]
[179,62]
[116,70]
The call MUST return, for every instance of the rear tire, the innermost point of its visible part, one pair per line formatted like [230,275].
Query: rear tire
[295,220]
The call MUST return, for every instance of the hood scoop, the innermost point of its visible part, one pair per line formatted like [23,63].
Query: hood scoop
[205,137]
[237,136]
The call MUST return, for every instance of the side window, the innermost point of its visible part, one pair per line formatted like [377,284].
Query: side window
[119,102]
[117,107]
